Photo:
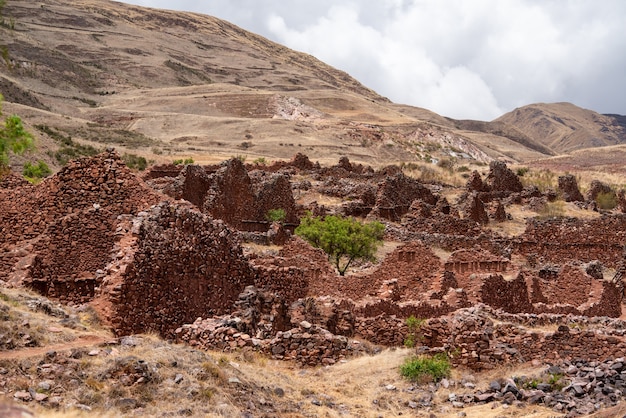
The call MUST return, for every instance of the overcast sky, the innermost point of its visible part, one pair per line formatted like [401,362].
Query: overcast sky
[465,59]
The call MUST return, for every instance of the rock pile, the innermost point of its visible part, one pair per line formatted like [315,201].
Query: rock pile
[575,388]
[262,323]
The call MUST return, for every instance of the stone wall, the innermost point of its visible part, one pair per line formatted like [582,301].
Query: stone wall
[565,240]
[184,265]
[414,267]
[70,255]
[395,195]
[231,196]
[101,181]
[479,338]
[469,261]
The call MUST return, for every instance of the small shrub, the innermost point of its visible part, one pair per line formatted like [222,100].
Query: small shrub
[276,215]
[414,325]
[36,171]
[188,161]
[177,162]
[607,200]
[260,161]
[522,171]
[426,368]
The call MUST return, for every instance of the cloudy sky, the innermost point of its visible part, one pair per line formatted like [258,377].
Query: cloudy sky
[464,59]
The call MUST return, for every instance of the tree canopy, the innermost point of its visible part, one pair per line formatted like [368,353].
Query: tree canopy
[13,138]
[343,239]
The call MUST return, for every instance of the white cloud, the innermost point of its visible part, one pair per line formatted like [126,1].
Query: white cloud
[463,59]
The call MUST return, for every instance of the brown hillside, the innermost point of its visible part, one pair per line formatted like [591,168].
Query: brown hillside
[564,127]
[166,85]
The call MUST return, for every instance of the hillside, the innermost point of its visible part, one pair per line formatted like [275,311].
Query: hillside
[167,85]
[563,127]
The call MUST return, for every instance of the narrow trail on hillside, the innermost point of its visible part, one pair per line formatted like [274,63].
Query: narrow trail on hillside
[87,340]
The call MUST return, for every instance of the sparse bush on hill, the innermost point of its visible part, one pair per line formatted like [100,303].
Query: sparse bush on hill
[426,368]
[343,239]
[447,164]
[69,149]
[183,162]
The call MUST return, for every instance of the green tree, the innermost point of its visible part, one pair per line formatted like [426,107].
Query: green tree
[13,138]
[343,239]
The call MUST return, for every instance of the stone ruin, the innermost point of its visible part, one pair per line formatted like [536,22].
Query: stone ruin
[568,187]
[158,255]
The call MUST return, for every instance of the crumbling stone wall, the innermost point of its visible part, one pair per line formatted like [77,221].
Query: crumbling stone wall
[395,195]
[243,201]
[414,267]
[568,187]
[475,209]
[564,240]
[510,296]
[502,179]
[101,181]
[475,340]
[262,322]
[72,251]
[596,188]
[162,170]
[191,184]
[231,196]
[571,286]
[469,261]
[185,265]
[274,192]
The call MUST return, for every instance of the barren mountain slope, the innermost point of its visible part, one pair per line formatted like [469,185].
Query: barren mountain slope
[165,85]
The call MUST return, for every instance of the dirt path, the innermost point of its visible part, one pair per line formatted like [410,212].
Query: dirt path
[87,340]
